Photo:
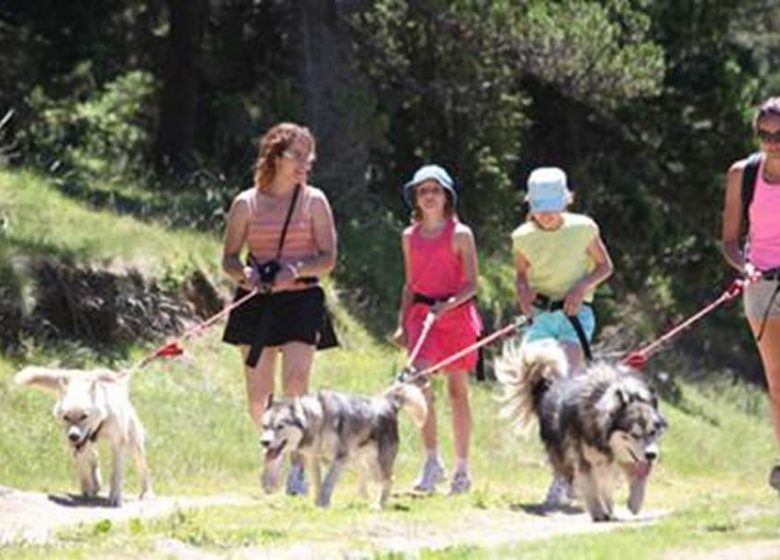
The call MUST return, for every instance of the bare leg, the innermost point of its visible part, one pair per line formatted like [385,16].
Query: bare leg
[259,381]
[297,359]
[458,388]
[429,429]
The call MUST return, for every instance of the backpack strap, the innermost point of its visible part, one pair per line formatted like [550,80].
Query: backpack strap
[749,175]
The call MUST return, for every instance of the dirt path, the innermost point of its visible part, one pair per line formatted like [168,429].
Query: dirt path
[34,518]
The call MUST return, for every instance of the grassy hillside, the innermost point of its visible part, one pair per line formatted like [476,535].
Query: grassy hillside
[711,479]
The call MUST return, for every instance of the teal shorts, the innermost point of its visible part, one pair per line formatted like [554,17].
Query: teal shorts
[555,324]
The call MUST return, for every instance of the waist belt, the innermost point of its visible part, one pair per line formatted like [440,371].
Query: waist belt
[771,274]
[428,300]
[548,304]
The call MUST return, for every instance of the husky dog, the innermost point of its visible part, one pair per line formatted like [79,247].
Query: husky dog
[594,425]
[95,404]
[339,427]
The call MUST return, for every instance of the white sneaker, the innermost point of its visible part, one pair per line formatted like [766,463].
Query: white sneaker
[432,473]
[297,485]
[461,482]
[558,494]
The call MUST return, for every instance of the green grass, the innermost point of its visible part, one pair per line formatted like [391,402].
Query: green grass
[711,479]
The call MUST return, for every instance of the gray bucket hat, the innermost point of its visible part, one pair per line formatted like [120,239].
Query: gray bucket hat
[426,173]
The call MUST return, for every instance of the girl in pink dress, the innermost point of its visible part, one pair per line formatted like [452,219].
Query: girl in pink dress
[440,263]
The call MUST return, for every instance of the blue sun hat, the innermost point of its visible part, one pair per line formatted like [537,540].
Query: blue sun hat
[547,190]
[426,173]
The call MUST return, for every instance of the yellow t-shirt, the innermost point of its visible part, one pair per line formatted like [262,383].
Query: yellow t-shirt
[557,258]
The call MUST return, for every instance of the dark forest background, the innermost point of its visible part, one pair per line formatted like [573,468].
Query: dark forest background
[644,103]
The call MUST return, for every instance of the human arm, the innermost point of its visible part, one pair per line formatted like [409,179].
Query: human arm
[524,294]
[603,270]
[235,236]
[399,336]
[731,245]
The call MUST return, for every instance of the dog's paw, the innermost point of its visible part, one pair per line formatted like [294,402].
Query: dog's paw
[115,501]
[147,495]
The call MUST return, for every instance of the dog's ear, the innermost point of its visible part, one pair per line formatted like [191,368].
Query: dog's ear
[614,398]
[47,379]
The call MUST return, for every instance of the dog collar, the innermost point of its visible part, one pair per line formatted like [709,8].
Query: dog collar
[92,436]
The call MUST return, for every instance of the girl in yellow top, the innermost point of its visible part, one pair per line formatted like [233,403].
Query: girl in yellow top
[559,260]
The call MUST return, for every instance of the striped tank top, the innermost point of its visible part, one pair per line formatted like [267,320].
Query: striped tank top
[264,228]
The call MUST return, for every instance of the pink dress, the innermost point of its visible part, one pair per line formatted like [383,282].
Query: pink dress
[438,273]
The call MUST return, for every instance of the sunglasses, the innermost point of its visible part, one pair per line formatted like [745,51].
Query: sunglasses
[302,159]
[769,137]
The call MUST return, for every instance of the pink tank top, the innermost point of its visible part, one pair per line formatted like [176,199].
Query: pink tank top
[437,271]
[764,213]
[265,229]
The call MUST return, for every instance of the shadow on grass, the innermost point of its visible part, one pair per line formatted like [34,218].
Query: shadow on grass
[542,510]
[78,500]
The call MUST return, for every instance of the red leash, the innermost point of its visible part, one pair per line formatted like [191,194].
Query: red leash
[512,327]
[174,348]
[638,358]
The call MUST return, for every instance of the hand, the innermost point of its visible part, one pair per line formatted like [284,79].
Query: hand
[525,300]
[440,307]
[250,280]
[399,337]
[750,271]
[573,300]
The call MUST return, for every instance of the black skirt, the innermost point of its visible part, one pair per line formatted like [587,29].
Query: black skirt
[277,318]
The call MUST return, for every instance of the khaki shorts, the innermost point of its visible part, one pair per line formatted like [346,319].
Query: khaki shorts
[759,296]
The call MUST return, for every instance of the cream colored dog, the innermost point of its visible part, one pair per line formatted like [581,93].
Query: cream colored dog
[95,404]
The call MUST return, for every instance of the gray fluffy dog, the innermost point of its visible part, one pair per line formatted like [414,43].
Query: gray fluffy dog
[339,427]
[595,426]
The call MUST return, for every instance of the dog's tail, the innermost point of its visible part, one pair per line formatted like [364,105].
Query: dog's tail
[526,371]
[410,398]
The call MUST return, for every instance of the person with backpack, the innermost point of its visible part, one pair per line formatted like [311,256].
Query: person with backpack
[752,206]
[286,228]
[560,259]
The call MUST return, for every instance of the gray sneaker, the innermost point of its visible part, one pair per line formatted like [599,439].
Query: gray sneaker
[461,482]
[558,494]
[297,485]
[774,477]
[432,473]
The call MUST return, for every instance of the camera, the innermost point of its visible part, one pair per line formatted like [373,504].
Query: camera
[267,272]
